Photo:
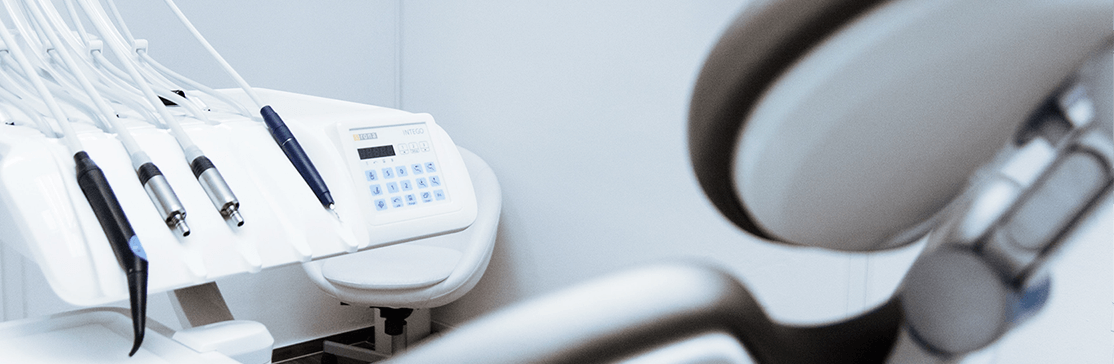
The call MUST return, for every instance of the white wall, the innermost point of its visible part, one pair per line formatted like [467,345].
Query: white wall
[580,107]
[342,49]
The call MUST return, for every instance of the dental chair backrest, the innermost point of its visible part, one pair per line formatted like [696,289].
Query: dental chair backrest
[861,126]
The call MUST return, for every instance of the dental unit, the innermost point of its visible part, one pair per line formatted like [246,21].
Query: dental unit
[64,86]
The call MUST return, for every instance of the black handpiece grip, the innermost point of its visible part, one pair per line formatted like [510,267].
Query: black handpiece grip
[296,154]
[126,246]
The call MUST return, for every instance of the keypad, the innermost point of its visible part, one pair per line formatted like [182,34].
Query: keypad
[405,186]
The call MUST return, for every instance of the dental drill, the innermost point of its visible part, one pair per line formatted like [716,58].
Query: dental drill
[203,169]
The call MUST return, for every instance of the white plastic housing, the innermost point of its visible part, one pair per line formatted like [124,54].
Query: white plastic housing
[247,342]
[875,130]
[98,335]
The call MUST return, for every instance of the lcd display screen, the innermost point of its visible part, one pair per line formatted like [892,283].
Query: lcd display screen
[376,152]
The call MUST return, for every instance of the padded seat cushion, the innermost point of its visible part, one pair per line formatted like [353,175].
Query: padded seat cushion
[403,266]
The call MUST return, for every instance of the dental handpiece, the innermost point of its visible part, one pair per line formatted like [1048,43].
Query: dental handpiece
[297,156]
[166,202]
[207,175]
[219,192]
[125,245]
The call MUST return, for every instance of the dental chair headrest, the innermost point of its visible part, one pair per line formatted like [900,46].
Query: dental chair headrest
[852,125]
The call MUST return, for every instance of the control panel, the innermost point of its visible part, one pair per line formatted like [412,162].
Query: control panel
[400,169]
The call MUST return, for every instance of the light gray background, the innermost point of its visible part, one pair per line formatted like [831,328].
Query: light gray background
[579,107]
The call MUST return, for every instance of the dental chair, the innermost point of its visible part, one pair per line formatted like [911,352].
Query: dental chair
[863,126]
[421,274]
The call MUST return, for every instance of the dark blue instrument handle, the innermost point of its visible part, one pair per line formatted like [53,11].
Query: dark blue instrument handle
[296,154]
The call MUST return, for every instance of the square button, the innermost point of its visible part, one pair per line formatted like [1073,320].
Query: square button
[417,168]
[396,201]
[406,186]
[435,181]
[380,204]
[371,175]
[401,171]
[388,173]
[427,196]
[429,167]
[439,195]
[411,200]
[376,190]
[392,187]
[422,183]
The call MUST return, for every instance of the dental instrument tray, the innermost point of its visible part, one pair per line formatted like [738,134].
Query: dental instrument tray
[396,176]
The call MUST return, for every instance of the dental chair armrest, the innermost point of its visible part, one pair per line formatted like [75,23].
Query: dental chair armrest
[632,311]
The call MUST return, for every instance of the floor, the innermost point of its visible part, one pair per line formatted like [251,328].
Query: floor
[310,352]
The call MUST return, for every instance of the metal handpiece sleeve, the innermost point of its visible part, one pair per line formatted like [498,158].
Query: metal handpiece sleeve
[125,245]
[296,154]
[219,192]
[166,202]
